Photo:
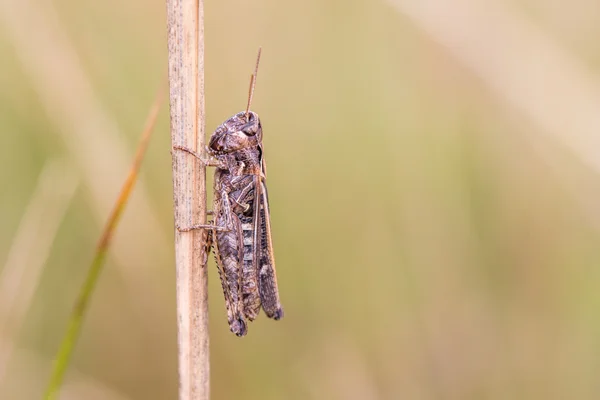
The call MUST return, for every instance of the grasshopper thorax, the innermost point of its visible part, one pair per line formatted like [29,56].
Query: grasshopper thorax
[242,131]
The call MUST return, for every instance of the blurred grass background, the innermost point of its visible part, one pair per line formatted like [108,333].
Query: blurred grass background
[435,236]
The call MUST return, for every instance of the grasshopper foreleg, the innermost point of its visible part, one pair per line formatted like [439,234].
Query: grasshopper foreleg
[209,162]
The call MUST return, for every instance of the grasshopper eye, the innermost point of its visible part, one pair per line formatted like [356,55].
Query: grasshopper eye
[249,130]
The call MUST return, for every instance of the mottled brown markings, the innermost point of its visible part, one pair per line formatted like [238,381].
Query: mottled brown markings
[229,246]
[267,281]
[241,228]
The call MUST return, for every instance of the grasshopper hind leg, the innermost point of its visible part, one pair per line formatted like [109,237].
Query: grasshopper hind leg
[278,314]
[229,255]
[239,327]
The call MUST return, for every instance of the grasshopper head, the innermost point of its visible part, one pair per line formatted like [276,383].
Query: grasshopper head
[236,133]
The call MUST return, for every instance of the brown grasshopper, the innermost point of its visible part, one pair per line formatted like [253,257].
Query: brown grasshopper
[241,229]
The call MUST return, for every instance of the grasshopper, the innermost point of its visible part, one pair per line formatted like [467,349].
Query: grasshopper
[240,231]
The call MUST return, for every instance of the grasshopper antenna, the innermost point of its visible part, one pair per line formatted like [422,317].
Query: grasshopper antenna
[252,84]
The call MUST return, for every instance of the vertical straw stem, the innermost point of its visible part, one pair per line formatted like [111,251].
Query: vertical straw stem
[185,28]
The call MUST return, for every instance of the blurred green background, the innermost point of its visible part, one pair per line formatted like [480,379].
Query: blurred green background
[432,177]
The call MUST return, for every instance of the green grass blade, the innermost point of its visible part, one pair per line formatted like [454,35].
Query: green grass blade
[65,351]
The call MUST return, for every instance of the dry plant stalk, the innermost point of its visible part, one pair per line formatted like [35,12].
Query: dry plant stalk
[185,27]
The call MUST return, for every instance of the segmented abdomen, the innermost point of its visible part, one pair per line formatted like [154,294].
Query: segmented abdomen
[251,298]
